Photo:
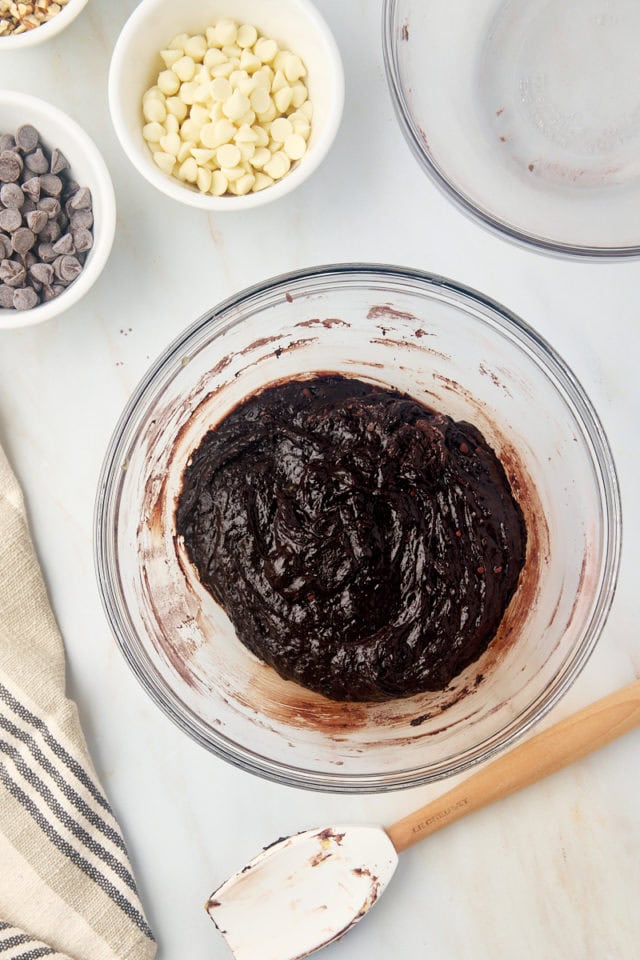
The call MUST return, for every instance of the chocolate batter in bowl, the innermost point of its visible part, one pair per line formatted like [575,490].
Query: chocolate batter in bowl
[448,348]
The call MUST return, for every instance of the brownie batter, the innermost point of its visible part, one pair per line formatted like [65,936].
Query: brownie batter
[362,544]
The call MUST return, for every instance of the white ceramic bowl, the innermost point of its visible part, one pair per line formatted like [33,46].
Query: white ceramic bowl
[136,62]
[45,32]
[89,170]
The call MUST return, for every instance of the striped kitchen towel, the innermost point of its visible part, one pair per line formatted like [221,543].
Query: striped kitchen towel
[66,886]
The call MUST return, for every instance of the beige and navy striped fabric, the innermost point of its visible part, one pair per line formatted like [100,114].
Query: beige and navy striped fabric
[66,886]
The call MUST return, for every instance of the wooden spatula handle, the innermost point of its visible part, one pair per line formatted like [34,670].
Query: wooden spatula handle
[557,747]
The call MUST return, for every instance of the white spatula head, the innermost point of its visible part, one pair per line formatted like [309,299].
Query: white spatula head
[303,892]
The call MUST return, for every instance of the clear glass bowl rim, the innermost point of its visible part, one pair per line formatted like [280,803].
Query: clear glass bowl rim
[106,505]
[391,56]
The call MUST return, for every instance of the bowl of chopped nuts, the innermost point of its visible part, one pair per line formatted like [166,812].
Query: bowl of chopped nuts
[24,23]
[226,106]
[57,211]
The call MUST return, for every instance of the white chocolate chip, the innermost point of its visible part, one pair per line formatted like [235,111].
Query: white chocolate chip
[189,170]
[165,161]
[246,134]
[261,156]
[154,111]
[260,100]
[222,69]
[219,183]
[154,93]
[199,114]
[261,181]
[294,68]
[265,49]
[282,99]
[185,151]
[170,57]
[168,82]
[191,130]
[236,105]
[278,165]
[221,88]
[203,179]
[215,134]
[244,184]
[152,132]
[262,136]
[307,109]
[171,144]
[279,82]
[184,68]
[298,95]
[247,35]
[247,150]
[176,108]
[233,173]
[178,42]
[281,129]
[196,47]
[232,52]
[214,57]
[295,146]
[228,155]
[225,32]
[249,61]
[202,156]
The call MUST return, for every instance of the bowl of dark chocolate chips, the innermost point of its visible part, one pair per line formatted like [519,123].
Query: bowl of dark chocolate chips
[57,211]
[358,529]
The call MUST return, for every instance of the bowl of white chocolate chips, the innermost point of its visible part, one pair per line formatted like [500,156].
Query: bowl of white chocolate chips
[223,106]
[57,211]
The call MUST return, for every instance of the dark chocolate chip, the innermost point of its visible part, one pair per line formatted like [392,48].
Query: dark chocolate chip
[58,161]
[46,252]
[12,195]
[27,137]
[83,240]
[27,207]
[51,185]
[67,268]
[12,273]
[25,298]
[7,142]
[10,166]
[51,231]
[23,239]
[81,220]
[70,188]
[65,244]
[50,205]
[42,273]
[6,297]
[29,259]
[37,220]
[50,293]
[37,162]
[32,188]
[6,250]
[81,200]
[10,220]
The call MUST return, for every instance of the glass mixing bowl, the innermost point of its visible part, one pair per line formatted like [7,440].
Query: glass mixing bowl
[526,114]
[457,351]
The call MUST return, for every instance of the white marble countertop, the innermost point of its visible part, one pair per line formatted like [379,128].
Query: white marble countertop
[551,873]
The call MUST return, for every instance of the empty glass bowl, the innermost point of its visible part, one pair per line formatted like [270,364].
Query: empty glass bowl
[527,114]
[462,354]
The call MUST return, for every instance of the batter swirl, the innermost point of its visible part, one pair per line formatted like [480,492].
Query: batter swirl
[363,545]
